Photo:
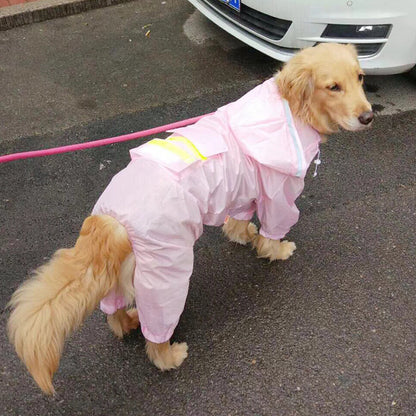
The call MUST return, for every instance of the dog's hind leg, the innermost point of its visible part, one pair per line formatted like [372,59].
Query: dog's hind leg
[166,356]
[239,231]
[123,321]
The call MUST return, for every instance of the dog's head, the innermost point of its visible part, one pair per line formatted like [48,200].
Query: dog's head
[324,88]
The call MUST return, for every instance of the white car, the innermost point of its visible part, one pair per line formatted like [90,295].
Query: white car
[384,32]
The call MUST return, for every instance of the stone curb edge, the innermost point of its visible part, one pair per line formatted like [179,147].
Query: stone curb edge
[41,10]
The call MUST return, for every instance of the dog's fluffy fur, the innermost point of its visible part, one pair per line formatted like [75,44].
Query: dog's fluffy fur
[323,86]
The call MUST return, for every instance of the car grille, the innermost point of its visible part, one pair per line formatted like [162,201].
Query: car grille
[263,24]
[367,49]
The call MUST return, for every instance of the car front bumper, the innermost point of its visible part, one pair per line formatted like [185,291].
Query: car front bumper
[392,54]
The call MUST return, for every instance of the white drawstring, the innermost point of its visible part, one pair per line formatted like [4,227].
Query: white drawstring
[317,162]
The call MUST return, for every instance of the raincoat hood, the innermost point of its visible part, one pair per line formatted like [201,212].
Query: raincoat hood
[263,125]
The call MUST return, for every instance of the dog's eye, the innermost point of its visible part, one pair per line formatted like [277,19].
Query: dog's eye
[360,77]
[334,87]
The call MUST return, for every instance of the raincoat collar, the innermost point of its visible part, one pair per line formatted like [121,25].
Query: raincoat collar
[263,124]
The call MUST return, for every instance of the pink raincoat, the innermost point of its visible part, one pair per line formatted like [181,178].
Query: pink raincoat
[251,155]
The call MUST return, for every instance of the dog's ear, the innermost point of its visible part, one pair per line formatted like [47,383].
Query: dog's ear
[296,83]
[352,50]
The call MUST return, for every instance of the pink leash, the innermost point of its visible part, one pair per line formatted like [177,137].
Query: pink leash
[96,143]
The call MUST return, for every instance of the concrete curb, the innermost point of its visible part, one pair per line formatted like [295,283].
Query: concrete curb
[41,10]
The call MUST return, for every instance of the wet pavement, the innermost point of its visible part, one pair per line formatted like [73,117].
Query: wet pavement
[329,332]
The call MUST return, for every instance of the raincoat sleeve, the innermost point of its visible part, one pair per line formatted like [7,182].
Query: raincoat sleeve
[276,207]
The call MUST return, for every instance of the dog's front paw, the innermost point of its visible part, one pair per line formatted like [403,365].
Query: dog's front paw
[274,249]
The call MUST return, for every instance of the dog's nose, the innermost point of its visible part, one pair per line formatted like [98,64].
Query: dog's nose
[366,117]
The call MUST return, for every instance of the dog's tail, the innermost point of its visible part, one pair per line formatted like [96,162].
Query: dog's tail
[62,293]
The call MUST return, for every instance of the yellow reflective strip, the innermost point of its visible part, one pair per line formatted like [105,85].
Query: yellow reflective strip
[185,156]
[189,145]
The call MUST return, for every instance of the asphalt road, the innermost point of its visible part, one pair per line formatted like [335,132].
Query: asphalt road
[329,332]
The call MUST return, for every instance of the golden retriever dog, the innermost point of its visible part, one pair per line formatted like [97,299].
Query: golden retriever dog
[323,88]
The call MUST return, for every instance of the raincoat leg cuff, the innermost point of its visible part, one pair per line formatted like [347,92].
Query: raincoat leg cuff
[112,305]
[271,236]
[157,339]
[243,216]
